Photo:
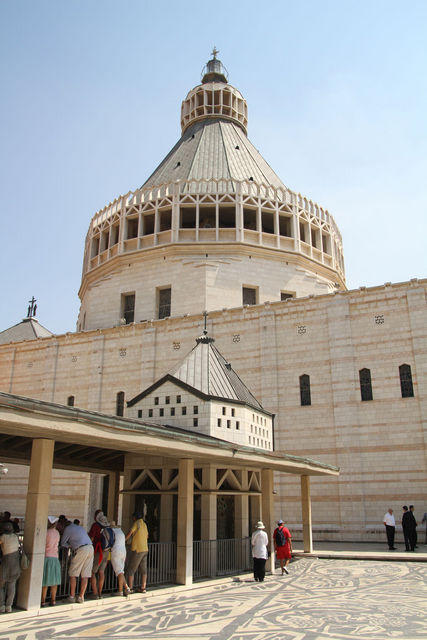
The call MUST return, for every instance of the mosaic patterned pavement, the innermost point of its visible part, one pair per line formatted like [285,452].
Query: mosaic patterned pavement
[319,600]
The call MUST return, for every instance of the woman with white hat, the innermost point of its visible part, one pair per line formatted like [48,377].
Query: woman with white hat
[52,567]
[259,551]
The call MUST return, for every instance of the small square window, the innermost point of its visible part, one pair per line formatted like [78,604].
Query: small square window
[237,425]
[232,413]
[178,399]
[139,413]
[184,411]
[172,411]
[219,422]
[150,413]
[195,422]
[224,411]
[167,400]
[228,424]
[195,409]
[156,401]
[161,412]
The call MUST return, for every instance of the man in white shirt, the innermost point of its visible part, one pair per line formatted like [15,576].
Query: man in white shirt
[390,528]
[259,551]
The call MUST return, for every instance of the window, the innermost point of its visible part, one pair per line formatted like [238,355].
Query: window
[150,413]
[195,422]
[219,423]
[237,425]
[161,412]
[195,409]
[120,403]
[365,384]
[167,400]
[249,295]
[172,411]
[224,411]
[188,217]
[285,226]
[184,411]
[232,413]
[70,401]
[304,389]
[164,303]
[267,222]
[406,386]
[156,400]
[128,307]
[148,224]
[228,424]
[139,413]
[165,219]
[284,295]
[250,219]
[178,399]
[132,228]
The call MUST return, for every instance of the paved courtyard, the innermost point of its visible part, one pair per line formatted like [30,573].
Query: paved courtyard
[320,599]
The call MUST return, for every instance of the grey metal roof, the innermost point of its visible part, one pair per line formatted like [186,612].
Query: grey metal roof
[28,329]
[208,149]
[206,370]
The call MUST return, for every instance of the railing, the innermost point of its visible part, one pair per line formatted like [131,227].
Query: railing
[221,557]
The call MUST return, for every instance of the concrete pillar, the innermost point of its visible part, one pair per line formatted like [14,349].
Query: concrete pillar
[113,496]
[255,503]
[128,503]
[307,535]
[184,550]
[36,513]
[241,510]
[209,516]
[267,512]
[166,509]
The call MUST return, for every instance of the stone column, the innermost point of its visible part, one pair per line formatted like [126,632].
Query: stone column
[267,512]
[166,509]
[306,514]
[184,550]
[113,496]
[209,516]
[36,513]
[128,502]
[241,510]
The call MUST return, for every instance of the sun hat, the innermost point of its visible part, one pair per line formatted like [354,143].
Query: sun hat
[260,525]
[102,520]
[52,519]
[279,522]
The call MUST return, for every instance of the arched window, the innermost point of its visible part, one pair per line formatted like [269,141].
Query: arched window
[304,389]
[70,401]
[365,384]
[406,381]
[120,403]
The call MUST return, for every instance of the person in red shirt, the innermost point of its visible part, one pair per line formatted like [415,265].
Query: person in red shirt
[282,545]
[100,558]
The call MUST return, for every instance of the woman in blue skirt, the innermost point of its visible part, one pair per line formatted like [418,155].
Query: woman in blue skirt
[52,568]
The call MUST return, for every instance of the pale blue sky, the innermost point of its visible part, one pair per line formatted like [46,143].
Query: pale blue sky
[91,100]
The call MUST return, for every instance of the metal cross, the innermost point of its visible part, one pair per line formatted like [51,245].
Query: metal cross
[32,308]
[215,52]
[205,314]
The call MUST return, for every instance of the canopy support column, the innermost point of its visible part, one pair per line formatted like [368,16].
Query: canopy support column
[184,550]
[36,513]
[306,514]
[267,512]
[113,496]
[166,509]
[209,515]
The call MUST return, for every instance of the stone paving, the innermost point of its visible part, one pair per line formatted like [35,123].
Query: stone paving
[319,600]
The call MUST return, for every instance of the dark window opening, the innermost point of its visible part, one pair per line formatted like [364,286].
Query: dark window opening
[304,389]
[232,413]
[365,384]
[219,422]
[249,219]
[249,295]
[207,218]
[156,400]
[114,238]
[104,241]
[184,411]
[285,226]
[325,242]
[195,422]
[224,410]
[120,403]
[128,307]
[267,220]
[237,425]
[161,412]
[139,413]
[314,239]
[148,224]
[188,217]
[164,303]
[167,400]
[150,413]
[195,409]
[165,220]
[228,424]
[132,228]
[227,217]
[178,399]
[70,401]
[172,411]
[95,247]
[285,296]
[302,234]
[406,385]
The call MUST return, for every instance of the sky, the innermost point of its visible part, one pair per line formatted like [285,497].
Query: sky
[337,97]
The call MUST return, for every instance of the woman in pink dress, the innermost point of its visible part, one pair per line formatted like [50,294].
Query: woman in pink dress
[282,545]
[52,568]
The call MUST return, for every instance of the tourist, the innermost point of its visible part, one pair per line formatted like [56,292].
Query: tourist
[9,567]
[413,528]
[259,543]
[406,526]
[137,557]
[118,558]
[425,520]
[282,545]
[7,518]
[76,539]
[390,528]
[52,568]
[76,521]
[100,557]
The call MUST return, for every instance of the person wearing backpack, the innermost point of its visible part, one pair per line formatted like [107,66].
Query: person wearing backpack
[102,537]
[10,569]
[282,545]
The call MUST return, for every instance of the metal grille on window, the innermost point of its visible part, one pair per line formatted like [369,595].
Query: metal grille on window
[406,385]
[164,303]
[365,384]
[304,389]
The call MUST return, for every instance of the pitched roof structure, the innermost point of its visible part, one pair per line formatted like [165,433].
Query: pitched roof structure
[28,329]
[205,371]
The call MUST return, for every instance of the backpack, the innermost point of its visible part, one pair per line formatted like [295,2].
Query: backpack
[108,538]
[280,537]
